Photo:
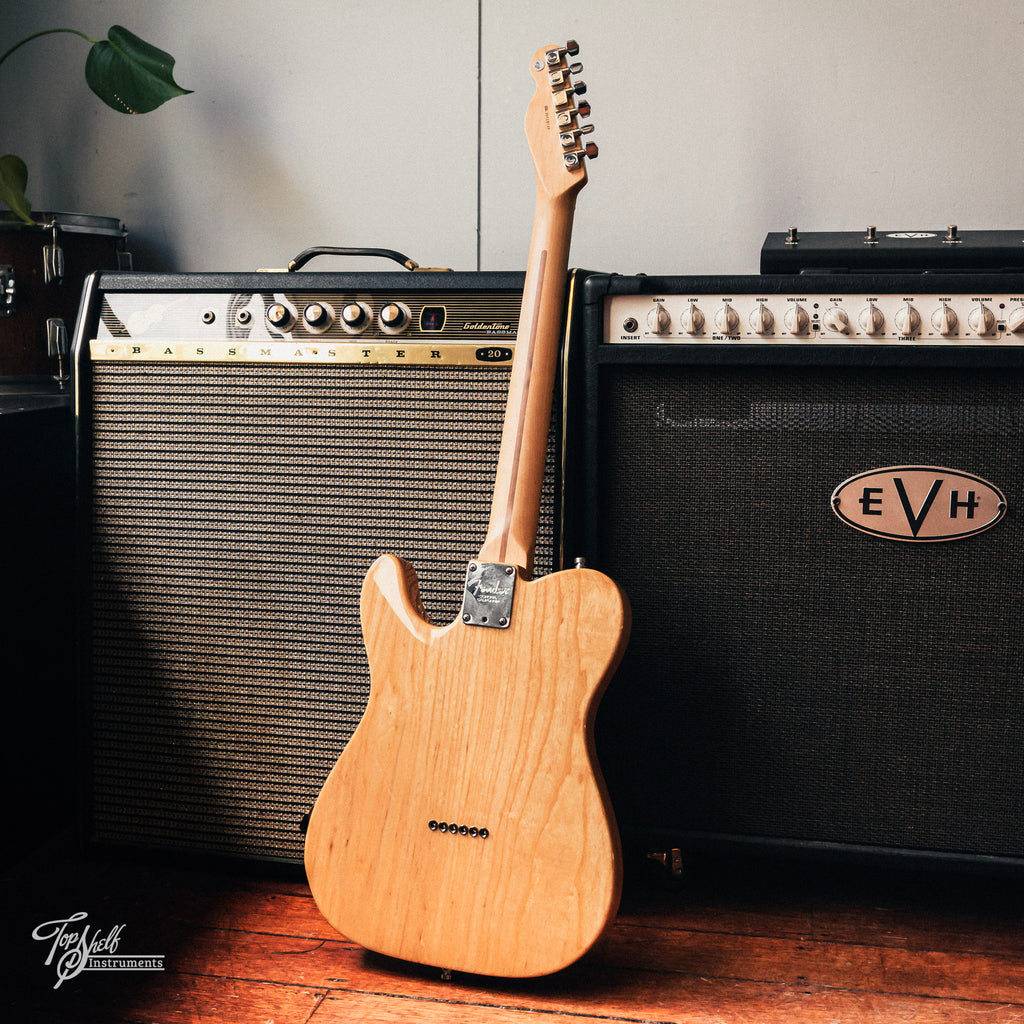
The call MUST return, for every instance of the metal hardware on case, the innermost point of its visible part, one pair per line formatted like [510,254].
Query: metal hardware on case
[668,862]
[56,337]
[487,600]
[8,292]
[57,345]
[53,259]
[53,264]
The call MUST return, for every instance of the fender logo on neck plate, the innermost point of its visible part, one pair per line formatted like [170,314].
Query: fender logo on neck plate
[487,600]
[918,503]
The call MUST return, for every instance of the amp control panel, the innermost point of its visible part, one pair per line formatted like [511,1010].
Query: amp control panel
[922,309]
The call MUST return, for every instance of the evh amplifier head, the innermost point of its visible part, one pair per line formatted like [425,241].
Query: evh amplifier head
[247,446]
[810,487]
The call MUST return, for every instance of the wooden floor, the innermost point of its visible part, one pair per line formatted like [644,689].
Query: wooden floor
[737,942]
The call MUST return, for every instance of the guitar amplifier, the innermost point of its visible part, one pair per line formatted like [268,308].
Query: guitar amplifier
[810,488]
[247,444]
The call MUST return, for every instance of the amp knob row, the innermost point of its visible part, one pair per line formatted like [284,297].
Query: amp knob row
[797,321]
[354,317]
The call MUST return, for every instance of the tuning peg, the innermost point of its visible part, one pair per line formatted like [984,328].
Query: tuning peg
[572,47]
[579,88]
[591,150]
[583,109]
[575,69]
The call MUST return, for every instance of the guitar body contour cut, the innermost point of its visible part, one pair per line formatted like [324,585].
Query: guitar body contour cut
[466,824]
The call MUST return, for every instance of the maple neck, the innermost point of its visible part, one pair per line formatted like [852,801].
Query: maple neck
[555,141]
[555,137]
[515,508]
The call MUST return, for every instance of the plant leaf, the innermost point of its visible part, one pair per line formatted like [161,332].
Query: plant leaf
[13,179]
[129,74]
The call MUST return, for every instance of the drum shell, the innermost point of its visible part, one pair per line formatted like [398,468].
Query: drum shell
[88,243]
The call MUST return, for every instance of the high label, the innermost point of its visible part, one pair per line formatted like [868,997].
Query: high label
[918,503]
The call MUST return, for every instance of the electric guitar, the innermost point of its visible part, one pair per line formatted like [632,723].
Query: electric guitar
[466,824]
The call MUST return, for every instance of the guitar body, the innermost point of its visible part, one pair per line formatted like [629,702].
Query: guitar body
[466,824]
[490,731]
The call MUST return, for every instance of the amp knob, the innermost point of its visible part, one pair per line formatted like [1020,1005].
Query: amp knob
[908,320]
[836,320]
[1015,321]
[796,320]
[871,319]
[658,319]
[727,320]
[280,317]
[355,317]
[762,320]
[318,315]
[944,319]
[394,317]
[981,319]
[692,319]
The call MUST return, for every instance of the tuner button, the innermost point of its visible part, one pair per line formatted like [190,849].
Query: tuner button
[762,320]
[394,317]
[280,316]
[871,319]
[944,319]
[836,320]
[572,47]
[908,320]
[796,320]
[727,320]
[584,109]
[658,319]
[692,320]
[1015,321]
[579,88]
[591,150]
[981,319]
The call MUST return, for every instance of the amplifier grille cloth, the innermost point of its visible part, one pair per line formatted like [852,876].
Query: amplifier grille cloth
[235,511]
[789,677]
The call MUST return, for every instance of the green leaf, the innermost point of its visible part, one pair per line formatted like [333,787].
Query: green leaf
[129,74]
[13,179]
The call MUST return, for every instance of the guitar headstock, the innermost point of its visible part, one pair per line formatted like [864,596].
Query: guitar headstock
[553,126]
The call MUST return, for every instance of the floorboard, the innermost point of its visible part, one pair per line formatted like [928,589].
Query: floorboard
[736,943]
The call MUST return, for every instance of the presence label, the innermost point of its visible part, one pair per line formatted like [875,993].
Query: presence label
[918,503]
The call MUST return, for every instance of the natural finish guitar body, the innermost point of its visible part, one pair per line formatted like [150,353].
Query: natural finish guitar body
[478,729]
[466,824]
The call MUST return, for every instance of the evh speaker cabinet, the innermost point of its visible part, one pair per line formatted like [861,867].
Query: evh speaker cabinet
[247,445]
[811,489]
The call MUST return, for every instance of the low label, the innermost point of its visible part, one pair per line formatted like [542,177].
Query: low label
[918,503]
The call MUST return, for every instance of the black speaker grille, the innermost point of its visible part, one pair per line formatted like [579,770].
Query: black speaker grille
[790,678]
[232,514]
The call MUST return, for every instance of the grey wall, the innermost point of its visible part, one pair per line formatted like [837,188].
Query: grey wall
[399,124]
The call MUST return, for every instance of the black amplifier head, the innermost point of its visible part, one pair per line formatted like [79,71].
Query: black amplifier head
[881,252]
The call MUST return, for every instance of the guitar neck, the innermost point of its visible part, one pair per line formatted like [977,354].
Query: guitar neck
[515,508]
[554,136]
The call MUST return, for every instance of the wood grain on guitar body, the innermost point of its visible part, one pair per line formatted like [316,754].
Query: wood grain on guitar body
[466,824]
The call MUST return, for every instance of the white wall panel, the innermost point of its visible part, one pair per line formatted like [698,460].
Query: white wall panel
[338,123]
[355,122]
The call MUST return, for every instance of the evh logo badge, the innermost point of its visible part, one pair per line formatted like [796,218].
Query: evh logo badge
[918,503]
